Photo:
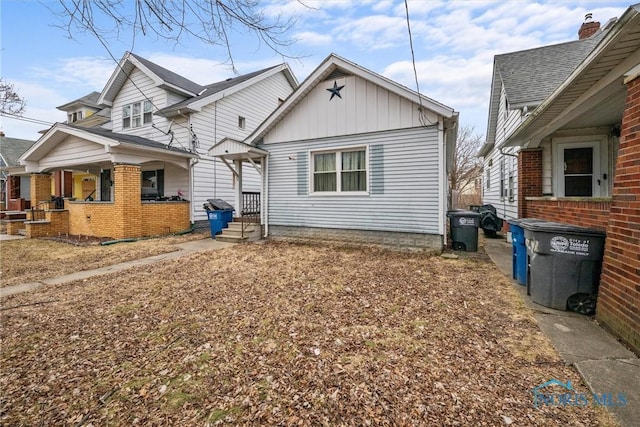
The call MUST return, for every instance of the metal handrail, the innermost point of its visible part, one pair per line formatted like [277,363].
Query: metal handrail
[250,209]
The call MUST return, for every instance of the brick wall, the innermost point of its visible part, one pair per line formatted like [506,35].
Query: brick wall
[160,218]
[583,213]
[618,306]
[40,184]
[529,178]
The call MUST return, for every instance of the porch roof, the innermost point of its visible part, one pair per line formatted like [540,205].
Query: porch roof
[113,148]
[594,93]
[230,149]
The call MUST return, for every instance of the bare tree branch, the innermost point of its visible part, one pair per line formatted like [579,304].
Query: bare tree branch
[10,101]
[209,21]
[466,167]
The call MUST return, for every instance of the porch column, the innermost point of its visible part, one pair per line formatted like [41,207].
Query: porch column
[619,293]
[127,218]
[40,185]
[529,178]
[238,205]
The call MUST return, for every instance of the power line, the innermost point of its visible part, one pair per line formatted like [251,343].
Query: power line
[421,113]
[26,119]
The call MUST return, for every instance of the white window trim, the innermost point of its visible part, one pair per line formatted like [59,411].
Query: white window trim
[339,192]
[600,163]
[141,115]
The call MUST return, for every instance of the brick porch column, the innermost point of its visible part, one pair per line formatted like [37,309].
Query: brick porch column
[529,178]
[40,185]
[618,307]
[127,204]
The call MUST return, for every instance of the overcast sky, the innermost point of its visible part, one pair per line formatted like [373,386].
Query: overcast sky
[454,44]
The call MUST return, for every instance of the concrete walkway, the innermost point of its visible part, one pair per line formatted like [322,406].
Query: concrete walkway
[184,249]
[605,365]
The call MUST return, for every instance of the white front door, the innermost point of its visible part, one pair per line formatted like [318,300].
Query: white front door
[578,170]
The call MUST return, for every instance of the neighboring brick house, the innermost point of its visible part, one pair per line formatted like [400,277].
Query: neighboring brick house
[579,163]
[131,160]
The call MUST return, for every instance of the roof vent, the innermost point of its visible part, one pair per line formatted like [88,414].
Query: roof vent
[588,27]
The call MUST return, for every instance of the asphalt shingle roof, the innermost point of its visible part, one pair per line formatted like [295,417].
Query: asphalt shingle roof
[12,148]
[169,76]
[131,139]
[529,76]
[213,88]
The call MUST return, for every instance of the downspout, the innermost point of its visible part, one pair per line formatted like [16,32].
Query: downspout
[442,197]
[265,180]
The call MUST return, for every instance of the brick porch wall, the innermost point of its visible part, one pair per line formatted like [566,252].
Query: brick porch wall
[584,213]
[159,218]
[618,306]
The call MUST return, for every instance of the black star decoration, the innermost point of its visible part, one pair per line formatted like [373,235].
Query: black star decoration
[335,90]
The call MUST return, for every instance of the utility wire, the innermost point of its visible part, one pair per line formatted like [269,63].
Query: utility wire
[26,119]
[421,113]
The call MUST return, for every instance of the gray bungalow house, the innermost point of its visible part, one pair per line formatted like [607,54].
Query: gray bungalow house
[352,156]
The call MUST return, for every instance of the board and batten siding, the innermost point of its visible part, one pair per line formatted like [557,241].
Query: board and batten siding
[364,107]
[507,121]
[403,184]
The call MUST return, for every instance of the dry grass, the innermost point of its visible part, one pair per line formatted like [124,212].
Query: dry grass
[282,334]
[29,260]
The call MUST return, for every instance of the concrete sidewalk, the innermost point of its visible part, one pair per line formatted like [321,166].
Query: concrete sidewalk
[605,365]
[183,249]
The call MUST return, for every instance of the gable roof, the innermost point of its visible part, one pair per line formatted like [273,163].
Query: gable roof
[530,75]
[218,90]
[12,148]
[161,76]
[90,100]
[597,84]
[335,65]
[59,131]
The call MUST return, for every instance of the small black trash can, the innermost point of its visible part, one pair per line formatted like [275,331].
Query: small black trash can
[463,226]
[565,262]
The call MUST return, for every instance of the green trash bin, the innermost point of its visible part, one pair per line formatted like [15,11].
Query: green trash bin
[463,228]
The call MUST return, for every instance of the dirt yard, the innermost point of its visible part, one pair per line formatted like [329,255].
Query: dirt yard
[29,260]
[282,334]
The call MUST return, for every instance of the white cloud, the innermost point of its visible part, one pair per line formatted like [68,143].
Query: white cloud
[314,39]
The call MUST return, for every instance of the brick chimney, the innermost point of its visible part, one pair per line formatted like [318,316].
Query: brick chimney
[588,27]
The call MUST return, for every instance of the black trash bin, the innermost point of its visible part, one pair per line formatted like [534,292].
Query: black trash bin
[565,262]
[463,226]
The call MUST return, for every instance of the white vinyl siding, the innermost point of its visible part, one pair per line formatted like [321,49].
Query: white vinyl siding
[403,184]
[219,120]
[505,201]
[138,88]
[72,151]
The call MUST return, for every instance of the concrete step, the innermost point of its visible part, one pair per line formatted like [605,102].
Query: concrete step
[231,239]
[238,226]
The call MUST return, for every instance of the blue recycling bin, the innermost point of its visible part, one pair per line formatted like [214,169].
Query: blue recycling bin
[519,259]
[227,217]
[216,222]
